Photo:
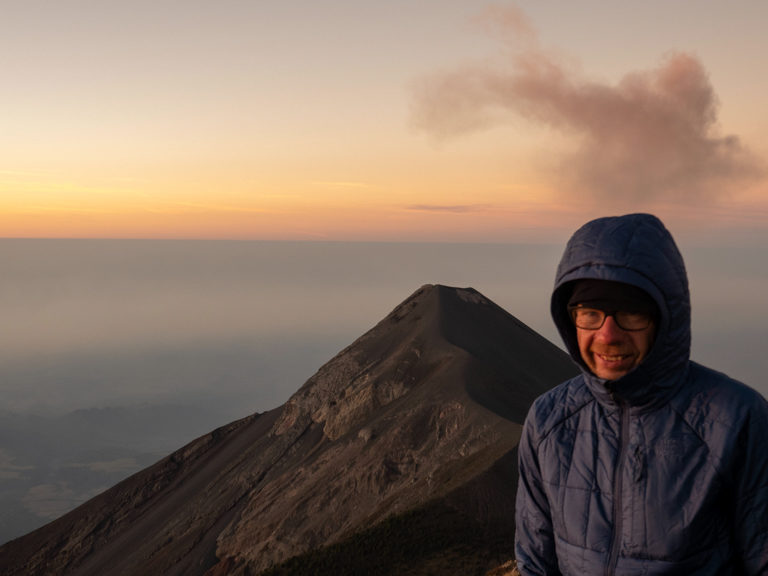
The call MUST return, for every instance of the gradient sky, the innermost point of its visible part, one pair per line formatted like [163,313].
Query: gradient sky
[362,120]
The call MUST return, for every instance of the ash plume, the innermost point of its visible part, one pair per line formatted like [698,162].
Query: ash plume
[651,136]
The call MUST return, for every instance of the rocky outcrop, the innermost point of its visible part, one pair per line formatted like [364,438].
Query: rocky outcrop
[422,408]
[506,569]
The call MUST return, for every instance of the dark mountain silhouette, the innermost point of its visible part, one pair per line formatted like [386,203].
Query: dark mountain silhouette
[397,457]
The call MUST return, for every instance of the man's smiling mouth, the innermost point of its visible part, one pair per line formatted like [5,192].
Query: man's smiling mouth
[613,357]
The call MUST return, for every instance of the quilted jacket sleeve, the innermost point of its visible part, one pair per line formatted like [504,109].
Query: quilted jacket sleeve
[751,488]
[534,536]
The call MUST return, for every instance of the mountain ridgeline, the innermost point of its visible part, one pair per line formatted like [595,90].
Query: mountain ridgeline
[397,457]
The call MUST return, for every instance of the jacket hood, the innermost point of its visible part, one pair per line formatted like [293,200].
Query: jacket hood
[635,249]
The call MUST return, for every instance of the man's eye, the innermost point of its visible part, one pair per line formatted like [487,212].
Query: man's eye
[634,317]
[589,315]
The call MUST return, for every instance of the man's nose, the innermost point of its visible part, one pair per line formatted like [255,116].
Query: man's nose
[610,331]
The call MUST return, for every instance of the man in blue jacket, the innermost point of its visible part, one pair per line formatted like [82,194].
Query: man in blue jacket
[646,463]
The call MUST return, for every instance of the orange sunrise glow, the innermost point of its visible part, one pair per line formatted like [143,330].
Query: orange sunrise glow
[472,123]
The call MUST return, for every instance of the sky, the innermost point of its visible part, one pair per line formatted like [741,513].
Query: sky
[439,120]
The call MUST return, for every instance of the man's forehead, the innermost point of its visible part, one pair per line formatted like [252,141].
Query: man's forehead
[610,294]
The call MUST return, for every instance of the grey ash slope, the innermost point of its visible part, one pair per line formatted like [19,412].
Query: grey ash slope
[424,407]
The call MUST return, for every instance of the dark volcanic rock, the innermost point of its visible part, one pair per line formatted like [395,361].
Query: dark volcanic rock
[425,407]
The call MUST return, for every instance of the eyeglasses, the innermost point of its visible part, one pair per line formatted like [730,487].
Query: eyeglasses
[594,318]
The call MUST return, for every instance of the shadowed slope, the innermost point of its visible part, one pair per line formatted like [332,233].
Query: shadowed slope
[418,409]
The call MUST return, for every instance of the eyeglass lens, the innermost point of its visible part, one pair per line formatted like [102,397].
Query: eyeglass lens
[593,319]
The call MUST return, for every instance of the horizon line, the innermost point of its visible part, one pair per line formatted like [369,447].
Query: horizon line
[264,240]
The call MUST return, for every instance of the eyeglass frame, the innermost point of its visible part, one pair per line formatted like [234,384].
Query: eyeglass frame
[573,309]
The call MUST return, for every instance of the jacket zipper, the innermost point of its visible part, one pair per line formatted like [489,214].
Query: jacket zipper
[618,481]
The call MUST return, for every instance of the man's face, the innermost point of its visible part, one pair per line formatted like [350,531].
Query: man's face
[610,352]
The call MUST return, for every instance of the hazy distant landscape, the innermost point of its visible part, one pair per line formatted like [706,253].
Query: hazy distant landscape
[115,353]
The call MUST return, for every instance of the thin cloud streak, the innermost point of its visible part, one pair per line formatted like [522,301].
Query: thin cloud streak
[342,184]
[449,208]
[652,136]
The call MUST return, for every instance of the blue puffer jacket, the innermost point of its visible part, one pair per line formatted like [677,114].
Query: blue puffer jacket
[663,471]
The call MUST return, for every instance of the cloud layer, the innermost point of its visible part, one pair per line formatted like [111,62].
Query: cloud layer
[652,136]
[449,208]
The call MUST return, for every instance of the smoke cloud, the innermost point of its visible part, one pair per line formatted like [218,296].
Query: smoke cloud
[653,135]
